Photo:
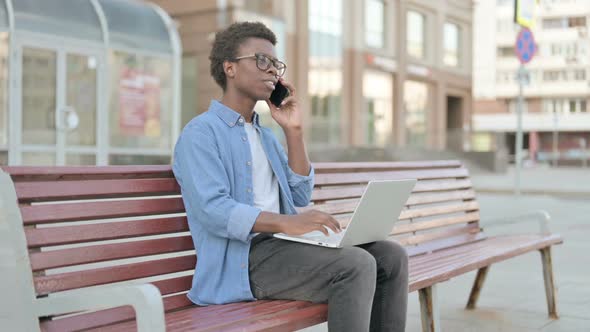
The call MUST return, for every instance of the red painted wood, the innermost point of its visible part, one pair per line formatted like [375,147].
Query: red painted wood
[49,236]
[106,317]
[99,253]
[71,280]
[363,177]
[60,171]
[53,190]
[38,214]
[335,167]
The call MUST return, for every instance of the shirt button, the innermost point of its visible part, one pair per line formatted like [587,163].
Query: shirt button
[241,120]
[249,190]
[249,163]
[243,266]
[244,138]
[231,123]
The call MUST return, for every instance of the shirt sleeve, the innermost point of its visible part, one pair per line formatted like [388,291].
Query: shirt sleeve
[205,188]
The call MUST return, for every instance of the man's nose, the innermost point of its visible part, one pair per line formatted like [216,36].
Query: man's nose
[273,70]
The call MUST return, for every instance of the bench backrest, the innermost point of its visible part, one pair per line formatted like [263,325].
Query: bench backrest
[88,226]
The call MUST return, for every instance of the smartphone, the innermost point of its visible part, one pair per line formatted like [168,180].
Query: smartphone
[280,92]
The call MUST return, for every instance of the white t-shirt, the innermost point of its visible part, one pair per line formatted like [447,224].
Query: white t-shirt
[266,186]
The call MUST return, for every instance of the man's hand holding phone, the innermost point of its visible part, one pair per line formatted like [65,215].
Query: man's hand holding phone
[287,113]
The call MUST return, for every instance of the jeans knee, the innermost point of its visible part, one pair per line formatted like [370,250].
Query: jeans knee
[360,262]
[392,257]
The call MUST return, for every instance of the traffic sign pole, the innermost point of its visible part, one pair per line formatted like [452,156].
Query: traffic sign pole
[519,134]
[525,48]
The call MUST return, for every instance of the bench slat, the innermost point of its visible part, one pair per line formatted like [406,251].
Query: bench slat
[105,252]
[37,214]
[426,237]
[323,167]
[349,206]
[189,321]
[48,236]
[491,250]
[61,172]
[326,194]
[450,242]
[53,190]
[71,280]
[431,211]
[100,318]
[287,321]
[441,197]
[423,225]
[364,177]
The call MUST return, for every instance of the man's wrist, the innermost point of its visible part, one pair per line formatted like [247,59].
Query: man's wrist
[293,131]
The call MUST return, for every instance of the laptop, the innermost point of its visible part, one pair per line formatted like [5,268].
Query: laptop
[372,220]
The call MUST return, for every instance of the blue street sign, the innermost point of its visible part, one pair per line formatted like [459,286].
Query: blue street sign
[525,46]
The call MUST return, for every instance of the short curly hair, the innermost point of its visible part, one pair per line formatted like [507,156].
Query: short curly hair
[227,42]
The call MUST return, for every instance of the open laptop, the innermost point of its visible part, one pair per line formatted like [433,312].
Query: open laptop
[372,220]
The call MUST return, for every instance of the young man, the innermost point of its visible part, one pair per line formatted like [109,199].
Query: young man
[239,186]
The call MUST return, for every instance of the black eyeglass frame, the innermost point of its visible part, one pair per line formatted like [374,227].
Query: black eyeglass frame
[280,66]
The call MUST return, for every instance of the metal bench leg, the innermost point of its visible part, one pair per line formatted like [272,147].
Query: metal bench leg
[429,309]
[550,290]
[477,285]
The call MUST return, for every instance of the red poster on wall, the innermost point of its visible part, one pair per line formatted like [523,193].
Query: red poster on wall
[139,104]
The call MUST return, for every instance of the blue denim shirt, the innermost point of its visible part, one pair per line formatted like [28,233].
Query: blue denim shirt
[211,164]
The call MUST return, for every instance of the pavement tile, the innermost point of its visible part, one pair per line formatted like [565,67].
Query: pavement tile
[567,324]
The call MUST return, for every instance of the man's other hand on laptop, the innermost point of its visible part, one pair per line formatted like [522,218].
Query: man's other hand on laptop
[310,221]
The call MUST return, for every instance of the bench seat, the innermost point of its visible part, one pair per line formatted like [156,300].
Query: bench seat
[425,269]
[87,227]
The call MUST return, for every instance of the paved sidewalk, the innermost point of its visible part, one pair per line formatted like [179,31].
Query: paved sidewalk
[513,295]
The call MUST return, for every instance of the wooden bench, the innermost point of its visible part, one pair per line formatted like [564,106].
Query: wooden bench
[122,229]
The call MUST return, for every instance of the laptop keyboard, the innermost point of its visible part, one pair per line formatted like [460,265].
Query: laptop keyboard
[321,237]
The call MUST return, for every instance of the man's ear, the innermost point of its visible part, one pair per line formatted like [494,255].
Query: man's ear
[229,69]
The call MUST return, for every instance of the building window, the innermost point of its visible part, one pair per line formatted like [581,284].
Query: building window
[579,75]
[375,23]
[513,106]
[551,75]
[415,36]
[506,52]
[564,105]
[325,71]
[452,41]
[378,118]
[573,22]
[416,102]
[554,23]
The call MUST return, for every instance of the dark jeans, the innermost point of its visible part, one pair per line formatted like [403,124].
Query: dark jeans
[366,286]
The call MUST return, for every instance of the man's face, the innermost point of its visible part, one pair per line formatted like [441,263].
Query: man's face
[245,75]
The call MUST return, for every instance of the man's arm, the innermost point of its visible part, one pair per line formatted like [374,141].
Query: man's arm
[297,154]
[268,222]
[289,117]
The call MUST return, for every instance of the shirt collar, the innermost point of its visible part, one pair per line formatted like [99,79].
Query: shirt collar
[229,116]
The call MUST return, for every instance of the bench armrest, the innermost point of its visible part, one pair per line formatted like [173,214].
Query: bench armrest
[145,299]
[540,216]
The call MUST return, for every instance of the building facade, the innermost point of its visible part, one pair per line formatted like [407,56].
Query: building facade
[373,73]
[556,113]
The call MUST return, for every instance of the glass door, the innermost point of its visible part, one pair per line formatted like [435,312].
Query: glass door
[58,106]
[77,118]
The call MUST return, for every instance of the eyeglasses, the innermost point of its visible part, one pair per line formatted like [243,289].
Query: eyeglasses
[263,62]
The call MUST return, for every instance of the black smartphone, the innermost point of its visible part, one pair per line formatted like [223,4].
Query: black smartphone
[280,92]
